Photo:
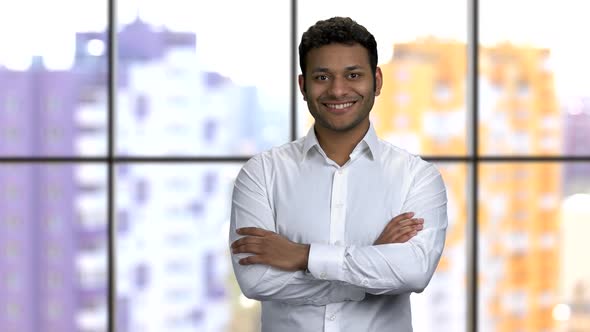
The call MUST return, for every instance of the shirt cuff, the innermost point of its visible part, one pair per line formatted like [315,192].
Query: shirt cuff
[325,261]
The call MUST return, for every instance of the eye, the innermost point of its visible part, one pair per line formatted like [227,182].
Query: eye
[354,75]
[321,77]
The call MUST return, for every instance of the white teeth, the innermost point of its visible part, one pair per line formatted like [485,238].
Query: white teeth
[339,106]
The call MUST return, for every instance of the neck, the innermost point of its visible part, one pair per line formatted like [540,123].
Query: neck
[338,145]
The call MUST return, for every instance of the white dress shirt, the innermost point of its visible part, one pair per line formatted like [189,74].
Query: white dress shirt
[352,285]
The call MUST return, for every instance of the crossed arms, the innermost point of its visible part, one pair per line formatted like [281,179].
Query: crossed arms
[402,259]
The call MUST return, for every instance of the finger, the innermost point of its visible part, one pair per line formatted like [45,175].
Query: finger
[399,234]
[248,249]
[395,228]
[410,222]
[407,230]
[406,215]
[246,240]
[254,231]
[399,219]
[251,260]
[408,234]
[403,231]
[392,236]
[410,226]
[407,237]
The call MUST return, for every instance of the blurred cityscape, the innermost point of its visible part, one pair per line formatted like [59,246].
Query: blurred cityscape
[172,220]
[522,224]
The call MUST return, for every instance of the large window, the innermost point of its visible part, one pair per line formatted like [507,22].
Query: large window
[124,123]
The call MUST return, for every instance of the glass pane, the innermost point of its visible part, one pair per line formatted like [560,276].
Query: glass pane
[53,78]
[423,58]
[533,220]
[203,78]
[442,306]
[173,260]
[53,248]
[534,78]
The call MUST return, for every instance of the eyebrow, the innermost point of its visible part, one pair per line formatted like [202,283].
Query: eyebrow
[324,69]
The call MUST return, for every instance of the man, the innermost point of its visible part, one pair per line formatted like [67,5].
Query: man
[313,233]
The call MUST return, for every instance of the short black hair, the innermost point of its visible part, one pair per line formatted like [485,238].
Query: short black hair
[341,30]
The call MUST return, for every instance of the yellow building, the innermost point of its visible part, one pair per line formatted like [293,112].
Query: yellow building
[422,108]
[422,103]
[520,116]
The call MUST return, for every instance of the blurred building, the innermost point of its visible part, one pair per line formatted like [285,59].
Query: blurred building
[173,268]
[520,221]
[172,259]
[573,312]
[53,259]
[576,117]
[579,310]
[171,262]
[422,102]
[422,109]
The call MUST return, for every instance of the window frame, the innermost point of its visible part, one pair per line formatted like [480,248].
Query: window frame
[473,160]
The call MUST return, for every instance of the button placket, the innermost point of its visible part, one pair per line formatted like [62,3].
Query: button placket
[332,318]
[338,210]
[337,223]
[337,204]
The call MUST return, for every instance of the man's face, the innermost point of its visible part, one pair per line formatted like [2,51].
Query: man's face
[339,87]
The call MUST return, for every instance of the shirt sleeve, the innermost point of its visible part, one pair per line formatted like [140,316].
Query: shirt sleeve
[398,267]
[251,208]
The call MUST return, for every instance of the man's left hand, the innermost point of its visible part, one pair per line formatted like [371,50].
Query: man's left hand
[270,248]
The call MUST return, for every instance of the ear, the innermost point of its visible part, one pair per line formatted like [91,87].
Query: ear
[378,81]
[301,81]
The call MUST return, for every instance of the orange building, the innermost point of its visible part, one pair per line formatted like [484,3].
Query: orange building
[520,116]
[422,108]
[422,103]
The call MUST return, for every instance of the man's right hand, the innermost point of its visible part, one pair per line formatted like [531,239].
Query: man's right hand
[400,229]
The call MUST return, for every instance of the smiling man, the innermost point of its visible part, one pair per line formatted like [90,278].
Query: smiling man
[334,231]
[340,85]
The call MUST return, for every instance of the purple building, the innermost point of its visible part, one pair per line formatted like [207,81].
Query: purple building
[576,138]
[44,236]
[18,250]
[41,236]
[38,228]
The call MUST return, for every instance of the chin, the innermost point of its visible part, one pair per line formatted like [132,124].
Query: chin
[343,127]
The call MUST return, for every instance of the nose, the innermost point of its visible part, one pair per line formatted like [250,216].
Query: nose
[338,87]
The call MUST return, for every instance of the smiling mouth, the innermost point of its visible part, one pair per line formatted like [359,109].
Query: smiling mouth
[339,106]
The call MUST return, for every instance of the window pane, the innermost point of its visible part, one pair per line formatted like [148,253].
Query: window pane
[423,58]
[534,78]
[533,220]
[52,78]
[172,250]
[442,306]
[174,266]
[203,78]
[53,254]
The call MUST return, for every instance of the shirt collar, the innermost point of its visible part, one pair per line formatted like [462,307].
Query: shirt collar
[370,139]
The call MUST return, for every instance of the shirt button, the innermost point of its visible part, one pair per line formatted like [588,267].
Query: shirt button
[332,317]
[338,243]
[365,282]
[339,171]
[323,275]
